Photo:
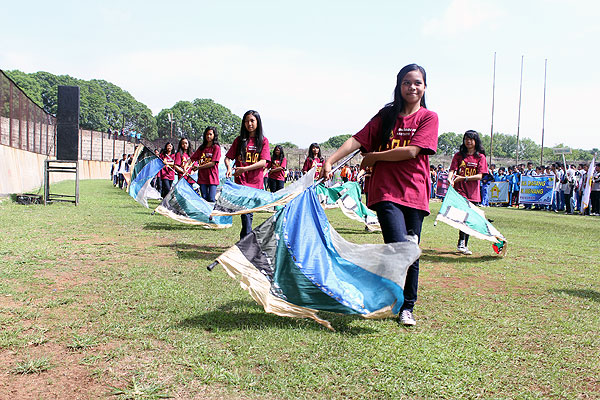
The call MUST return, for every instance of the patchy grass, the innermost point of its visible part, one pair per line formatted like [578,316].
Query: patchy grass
[32,366]
[122,297]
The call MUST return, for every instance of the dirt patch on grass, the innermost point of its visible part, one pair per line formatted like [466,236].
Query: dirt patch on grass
[64,378]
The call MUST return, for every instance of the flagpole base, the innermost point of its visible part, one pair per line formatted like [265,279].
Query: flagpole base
[212,266]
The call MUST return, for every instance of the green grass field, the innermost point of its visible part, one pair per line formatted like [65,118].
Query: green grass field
[106,300]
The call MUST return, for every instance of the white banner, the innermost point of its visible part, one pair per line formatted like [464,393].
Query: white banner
[498,192]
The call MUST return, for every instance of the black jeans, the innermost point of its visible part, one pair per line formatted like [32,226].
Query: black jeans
[246,224]
[275,185]
[165,186]
[397,222]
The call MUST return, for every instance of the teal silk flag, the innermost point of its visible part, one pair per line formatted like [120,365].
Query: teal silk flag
[295,264]
[183,204]
[348,197]
[463,215]
[145,166]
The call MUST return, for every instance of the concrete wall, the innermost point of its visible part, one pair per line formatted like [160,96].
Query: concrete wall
[23,171]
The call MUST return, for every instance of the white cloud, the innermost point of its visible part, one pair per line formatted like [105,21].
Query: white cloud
[463,16]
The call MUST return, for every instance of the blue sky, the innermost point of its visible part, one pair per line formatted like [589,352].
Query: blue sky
[316,69]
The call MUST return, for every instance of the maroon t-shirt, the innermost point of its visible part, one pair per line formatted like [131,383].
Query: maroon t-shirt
[403,182]
[309,163]
[469,166]
[180,159]
[254,178]
[208,176]
[279,175]
[167,172]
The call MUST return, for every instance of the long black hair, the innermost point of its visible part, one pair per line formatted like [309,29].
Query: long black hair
[180,150]
[164,150]
[310,151]
[215,137]
[281,154]
[245,135]
[471,134]
[390,111]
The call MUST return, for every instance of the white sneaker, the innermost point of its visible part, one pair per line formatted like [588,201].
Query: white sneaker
[464,250]
[406,318]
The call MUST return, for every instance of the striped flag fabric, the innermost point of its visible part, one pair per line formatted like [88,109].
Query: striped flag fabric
[463,215]
[145,166]
[295,264]
[183,204]
[236,199]
[348,197]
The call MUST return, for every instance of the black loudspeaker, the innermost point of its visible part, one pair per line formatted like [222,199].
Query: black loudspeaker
[67,119]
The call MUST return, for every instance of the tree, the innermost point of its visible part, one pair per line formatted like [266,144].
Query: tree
[448,143]
[191,118]
[335,142]
[103,106]
[287,145]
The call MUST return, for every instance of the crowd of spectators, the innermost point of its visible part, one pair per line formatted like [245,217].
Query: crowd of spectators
[569,185]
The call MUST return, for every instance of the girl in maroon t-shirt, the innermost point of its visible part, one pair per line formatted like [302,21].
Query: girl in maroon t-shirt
[313,159]
[466,170]
[277,167]
[182,157]
[208,156]
[250,151]
[167,174]
[397,143]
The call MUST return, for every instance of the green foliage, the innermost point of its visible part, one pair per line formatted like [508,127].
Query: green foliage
[191,118]
[448,143]
[103,105]
[32,366]
[335,142]
[287,145]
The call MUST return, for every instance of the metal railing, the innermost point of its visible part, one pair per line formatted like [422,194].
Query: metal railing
[26,126]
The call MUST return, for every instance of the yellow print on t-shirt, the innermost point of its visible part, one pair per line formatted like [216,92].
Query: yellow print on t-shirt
[251,158]
[205,158]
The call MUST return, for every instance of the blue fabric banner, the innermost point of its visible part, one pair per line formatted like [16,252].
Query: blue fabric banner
[536,189]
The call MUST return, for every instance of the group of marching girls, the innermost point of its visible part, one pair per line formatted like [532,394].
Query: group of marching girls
[396,144]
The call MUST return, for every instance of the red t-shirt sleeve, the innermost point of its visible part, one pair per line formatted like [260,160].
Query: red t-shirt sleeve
[483,167]
[197,154]
[284,163]
[367,136]
[265,153]
[426,135]
[308,163]
[232,152]
[454,163]
[216,154]
[177,159]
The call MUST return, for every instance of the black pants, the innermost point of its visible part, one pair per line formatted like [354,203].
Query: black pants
[595,201]
[275,185]
[568,202]
[463,238]
[397,222]
[165,186]
[246,224]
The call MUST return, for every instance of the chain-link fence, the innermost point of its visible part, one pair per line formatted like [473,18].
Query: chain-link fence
[26,126]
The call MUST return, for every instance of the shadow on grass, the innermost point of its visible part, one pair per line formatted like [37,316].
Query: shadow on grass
[195,252]
[454,257]
[357,231]
[158,226]
[583,293]
[238,315]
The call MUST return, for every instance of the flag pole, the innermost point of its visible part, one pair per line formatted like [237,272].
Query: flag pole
[544,113]
[493,98]
[340,164]
[519,117]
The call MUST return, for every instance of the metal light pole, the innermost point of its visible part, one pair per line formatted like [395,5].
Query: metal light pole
[544,113]
[493,98]
[519,117]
